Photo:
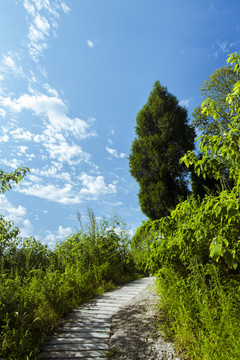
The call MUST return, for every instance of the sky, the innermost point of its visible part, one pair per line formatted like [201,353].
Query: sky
[73,76]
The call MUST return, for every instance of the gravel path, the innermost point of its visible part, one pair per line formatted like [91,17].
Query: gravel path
[134,333]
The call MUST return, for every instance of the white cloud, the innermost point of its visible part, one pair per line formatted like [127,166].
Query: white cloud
[63,232]
[16,214]
[50,90]
[49,240]
[34,178]
[95,186]
[41,27]
[4,138]
[26,228]
[29,7]
[66,9]
[30,156]
[90,44]
[42,24]
[22,149]
[59,149]
[62,195]
[21,134]
[8,61]
[58,235]
[35,34]
[14,163]
[9,64]
[2,113]
[92,188]
[114,153]
[186,102]
[54,109]
[11,212]
[51,172]
[224,47]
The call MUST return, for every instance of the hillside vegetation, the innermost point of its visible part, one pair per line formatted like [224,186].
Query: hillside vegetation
[38,286]
[195,251]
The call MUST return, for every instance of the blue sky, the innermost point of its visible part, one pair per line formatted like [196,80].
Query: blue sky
[73,76]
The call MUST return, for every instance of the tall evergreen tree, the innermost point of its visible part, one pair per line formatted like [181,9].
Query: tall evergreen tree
[163,136]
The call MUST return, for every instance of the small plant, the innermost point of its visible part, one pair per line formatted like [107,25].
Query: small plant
[113,354]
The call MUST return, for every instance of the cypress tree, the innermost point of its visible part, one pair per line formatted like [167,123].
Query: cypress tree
[163,135]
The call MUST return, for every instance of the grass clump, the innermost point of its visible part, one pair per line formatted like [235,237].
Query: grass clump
[201,312]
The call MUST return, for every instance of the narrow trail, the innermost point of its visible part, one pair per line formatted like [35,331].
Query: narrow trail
[86,331]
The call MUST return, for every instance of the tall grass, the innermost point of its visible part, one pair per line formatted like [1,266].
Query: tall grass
[39,286]
[201,312]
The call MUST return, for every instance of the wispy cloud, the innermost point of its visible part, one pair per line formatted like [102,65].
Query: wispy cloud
[62,195]
[186,102]
[9,65]
[53,108]
[53,171]
[40,27]
[2,113]
[59,149]
[13,163]
[224,47]
[21,134]
[60,234]
[115,153]
[91,189]
[212,6]
[91,44]
[4,138]
[50,90]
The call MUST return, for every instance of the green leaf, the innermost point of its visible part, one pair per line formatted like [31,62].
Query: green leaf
[233,212]
[228,259]
[216,251]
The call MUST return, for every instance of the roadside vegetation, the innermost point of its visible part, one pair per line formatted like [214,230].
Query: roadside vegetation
[195,251]
[38,286]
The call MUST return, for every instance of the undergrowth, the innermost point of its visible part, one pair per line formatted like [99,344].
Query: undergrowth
[38,286]
[201,313]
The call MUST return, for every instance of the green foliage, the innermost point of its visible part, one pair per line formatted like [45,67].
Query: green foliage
[216,87]
[201,312]
[204,186]
[38,286]
[140,246]
[196,249]
[6,179]
[163,136]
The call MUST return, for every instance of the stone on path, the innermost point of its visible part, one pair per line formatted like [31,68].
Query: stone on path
[86,331]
